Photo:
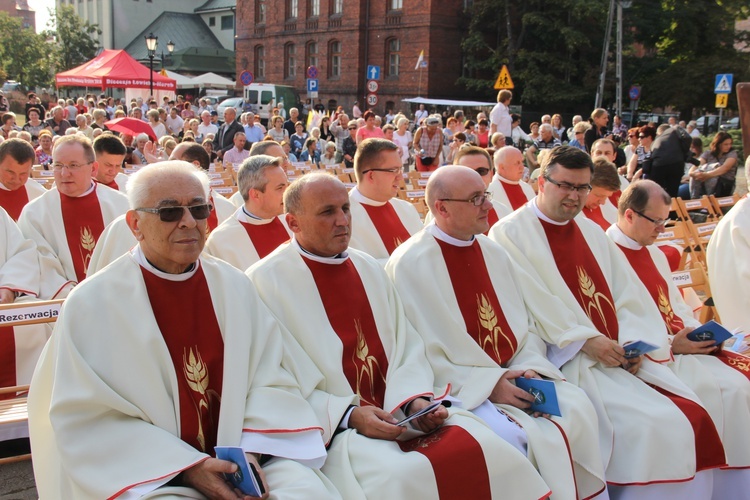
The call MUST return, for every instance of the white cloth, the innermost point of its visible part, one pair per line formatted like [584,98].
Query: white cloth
[174,125]
[236,200]
[235,156]
[103,408]
[728,260]
[420,274]
[498,191]
[364,235]
[122,181]
[500,117]
[41,221]
[231,243]
[361,467]
[644,437]
[204,130]
[159,130]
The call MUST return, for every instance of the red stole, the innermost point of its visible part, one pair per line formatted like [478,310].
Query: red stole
[674,257]
[14,201]
[581,272]
[112,184]
[515,194]
[83,221]
[388,225]
[596,215]
[481,310]
[348,309]
[213,221]
[492,218]
[615,197]
[184,312]
[266,237]
[7,360]
[739,362]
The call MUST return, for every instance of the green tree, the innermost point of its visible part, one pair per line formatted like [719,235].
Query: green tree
[24,54]
[75,44]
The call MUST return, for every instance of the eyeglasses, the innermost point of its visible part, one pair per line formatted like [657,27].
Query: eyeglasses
[393,170]
[174,214]
[477,200]
[569,188]
[642,136]
[655,222]
[73,167]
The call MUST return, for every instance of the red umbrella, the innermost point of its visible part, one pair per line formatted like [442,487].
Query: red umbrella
[131,126]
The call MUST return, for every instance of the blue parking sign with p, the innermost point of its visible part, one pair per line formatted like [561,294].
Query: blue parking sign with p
[312,84]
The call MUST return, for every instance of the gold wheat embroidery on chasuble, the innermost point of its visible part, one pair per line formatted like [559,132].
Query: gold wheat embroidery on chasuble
[490,334]
[87,242]
[197,378]
[594,302]
[367,369]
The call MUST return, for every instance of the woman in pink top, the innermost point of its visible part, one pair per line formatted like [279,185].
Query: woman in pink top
[370,129]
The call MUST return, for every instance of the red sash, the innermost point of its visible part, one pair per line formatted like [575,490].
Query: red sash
[213,221]
[83,221]
[739,362]
[185,315]
[674,257]
[388,225]
[348,309]
[581,272]
[515,194]
[644,267]
[14,201]
[483,315]
[492,218]
[596,215]
[266,237]
[112,184]
[7,359]
[615,197]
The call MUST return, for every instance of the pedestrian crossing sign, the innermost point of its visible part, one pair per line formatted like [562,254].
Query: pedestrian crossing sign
[722,100]
[503,79]
[723,83]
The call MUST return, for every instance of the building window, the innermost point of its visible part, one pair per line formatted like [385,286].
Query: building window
[260,12]
[337,7]
[334,64]
[392,56]
[290,61]
[227,22]
[396,4]
[312,54]
[313,8]
[291,9]
[212,21]
[260,62]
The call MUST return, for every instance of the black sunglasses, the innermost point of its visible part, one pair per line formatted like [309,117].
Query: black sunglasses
[174,214]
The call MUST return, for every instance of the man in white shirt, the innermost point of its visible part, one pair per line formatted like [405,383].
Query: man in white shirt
[206,127]
[500,120]
[174,123]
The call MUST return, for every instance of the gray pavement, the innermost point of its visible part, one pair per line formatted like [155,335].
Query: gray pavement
[17,481]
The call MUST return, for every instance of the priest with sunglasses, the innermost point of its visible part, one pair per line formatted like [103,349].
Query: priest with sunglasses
[163,356]
[65,223]
[380,222]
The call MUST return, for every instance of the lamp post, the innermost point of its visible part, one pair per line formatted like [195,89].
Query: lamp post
[151,42]
[168,59]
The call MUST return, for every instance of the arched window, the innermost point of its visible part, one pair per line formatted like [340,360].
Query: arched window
[392,56]
[334,59]
[259,63]
[311,54]
[290,61]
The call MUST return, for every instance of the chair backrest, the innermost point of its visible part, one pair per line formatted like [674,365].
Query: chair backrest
[723,204]
[695,277]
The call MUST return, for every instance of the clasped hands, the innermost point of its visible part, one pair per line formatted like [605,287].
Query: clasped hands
[506,392]
[610,353]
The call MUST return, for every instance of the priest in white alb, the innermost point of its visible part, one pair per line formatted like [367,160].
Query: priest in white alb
[507,184]
[380,222]
[163,356]
[346,321]
[604,183]
[258,227]
[65,223]
[657,439]
[728,260]
[20,346]
[16,187]
[480,338]
[110,154]
[718,376]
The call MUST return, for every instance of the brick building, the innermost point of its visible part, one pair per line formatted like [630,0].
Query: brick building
[278,39]
[20,8]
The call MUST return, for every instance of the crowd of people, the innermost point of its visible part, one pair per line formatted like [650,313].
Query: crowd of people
[348,347]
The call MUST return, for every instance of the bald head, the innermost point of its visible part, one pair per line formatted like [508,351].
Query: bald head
[452,195]
[509,163]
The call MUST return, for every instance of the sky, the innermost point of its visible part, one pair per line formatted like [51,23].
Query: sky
[41,7]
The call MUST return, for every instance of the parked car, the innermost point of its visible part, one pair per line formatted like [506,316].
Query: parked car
[238,103]
[711,120]
[12,85]
[731,124]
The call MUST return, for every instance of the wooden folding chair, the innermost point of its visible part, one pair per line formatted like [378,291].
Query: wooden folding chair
[724,204]
[698,211]
[695,277]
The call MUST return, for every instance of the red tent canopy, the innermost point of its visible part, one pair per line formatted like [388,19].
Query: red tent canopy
[113,68]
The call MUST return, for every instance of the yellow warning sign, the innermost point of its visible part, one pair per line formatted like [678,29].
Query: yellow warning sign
[503,79]
[722,100]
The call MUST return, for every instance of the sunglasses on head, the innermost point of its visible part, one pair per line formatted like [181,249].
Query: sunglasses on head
[174,214]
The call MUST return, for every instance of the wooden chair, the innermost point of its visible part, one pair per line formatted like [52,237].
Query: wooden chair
[695,277]
[724,204]
[678,235]
[13,412]
[698,211]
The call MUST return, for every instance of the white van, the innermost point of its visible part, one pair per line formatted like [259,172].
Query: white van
[261,98]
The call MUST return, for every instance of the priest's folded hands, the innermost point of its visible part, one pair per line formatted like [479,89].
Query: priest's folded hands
[208,478]
[506,392]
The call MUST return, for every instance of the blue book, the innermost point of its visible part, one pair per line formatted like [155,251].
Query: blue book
[544,392]
[638,348]
[244,479]
[710,331]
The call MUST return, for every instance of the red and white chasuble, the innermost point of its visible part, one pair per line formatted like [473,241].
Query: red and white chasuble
[119,183]
[378,228]
[132,398]
[666,431]
[350,325]
[223,210]
[242,240]
[513,194]
[14,201]
[480,331]
[66,230]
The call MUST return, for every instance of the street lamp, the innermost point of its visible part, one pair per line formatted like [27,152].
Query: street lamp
[168,59]
[151,42]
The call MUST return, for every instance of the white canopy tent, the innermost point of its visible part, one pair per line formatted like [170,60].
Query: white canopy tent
[448,102]
[212,80]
